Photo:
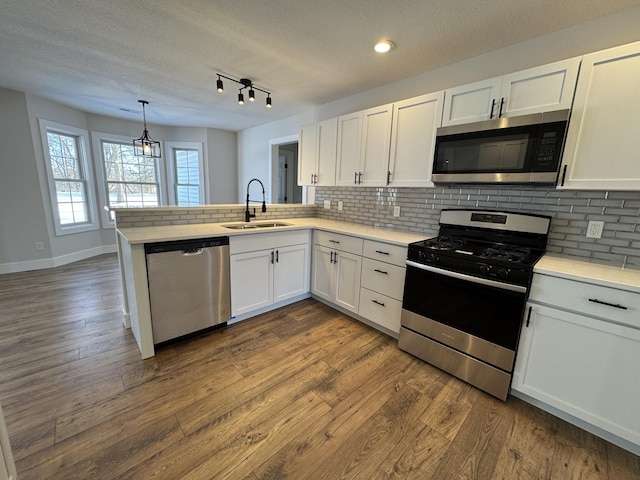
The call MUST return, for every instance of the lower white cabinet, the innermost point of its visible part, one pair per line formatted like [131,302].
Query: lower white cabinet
[335,273]
[582,365]
[382,285]
[261,277]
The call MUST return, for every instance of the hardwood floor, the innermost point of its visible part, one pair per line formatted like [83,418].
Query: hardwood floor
[303,392]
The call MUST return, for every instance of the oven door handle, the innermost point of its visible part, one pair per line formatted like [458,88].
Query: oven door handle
[469,278]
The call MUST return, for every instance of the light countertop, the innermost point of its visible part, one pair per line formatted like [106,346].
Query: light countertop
[583,271]
[137,235]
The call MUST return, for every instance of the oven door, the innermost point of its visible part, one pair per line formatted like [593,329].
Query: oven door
[476,316]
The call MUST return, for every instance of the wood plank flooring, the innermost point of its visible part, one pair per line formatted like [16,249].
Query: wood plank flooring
[303,392]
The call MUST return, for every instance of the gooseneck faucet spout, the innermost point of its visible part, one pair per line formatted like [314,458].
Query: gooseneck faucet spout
[247,214]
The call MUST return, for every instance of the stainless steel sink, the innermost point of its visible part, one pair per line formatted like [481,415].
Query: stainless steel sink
[247,226]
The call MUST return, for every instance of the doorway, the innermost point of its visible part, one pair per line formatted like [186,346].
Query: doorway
[284,163]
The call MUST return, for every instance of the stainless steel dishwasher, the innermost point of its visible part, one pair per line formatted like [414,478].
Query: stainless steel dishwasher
[189,287]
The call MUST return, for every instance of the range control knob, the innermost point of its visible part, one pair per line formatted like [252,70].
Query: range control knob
[434,258]
[485,269]
[503,273]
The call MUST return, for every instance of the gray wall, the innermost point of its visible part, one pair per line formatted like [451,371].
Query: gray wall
[25,210]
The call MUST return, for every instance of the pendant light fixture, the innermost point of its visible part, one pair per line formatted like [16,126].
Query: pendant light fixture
[246,84]
[145,146]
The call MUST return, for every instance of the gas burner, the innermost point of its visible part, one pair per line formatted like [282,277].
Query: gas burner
[444,243]
[505,253]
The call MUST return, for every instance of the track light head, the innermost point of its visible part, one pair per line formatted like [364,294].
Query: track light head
[268,101]
[252,95]
[246,84]
[219,85]
[240,98]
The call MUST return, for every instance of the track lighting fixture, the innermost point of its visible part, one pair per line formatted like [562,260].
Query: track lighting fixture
[246,84]
[145,146]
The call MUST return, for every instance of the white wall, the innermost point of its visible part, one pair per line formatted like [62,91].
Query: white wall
[254,150]
[589,37]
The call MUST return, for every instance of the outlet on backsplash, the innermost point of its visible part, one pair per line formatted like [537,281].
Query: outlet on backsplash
[594,229]
[340,205]
[327,204]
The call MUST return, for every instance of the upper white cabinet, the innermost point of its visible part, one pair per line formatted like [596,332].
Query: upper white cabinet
[317,159]
[363,147]
[540,89]
[413,134]
[601,151]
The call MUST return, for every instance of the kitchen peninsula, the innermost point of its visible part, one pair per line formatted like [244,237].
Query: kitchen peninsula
[131,241]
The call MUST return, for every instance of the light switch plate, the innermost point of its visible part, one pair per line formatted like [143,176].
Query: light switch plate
[340,205]
[327,204]
[396,211]
[594,229]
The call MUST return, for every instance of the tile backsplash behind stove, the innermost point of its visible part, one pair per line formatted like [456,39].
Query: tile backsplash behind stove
[571,212]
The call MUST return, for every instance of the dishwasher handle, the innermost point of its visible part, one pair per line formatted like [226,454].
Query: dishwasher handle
[192,252]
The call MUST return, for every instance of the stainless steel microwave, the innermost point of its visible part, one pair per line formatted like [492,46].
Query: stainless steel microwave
[524,149]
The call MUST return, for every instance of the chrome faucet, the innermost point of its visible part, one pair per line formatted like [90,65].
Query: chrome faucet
[248,215]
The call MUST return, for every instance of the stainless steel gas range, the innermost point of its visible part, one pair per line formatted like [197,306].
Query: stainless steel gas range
[465,293]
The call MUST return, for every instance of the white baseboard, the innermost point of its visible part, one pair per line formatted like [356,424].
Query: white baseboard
[43,263]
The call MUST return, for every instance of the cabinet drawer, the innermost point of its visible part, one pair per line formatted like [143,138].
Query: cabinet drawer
[251,242]
[337,241]
[385,252]
[383,278]
[380,309]
[609,303]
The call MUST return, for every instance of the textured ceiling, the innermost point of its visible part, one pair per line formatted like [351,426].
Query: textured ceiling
[102,56]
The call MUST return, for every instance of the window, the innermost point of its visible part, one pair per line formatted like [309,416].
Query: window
[186,172]
[68,175]
[187,175]
[130,181]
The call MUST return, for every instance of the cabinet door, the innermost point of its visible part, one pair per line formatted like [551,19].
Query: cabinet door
[601,152]
[307,156]
[347,280]
[251,281]
[327,137]
[413,135]
[376,139]
[349,145]
[322,273]
[541,89]
[471,103]
[582,366]
[291,272]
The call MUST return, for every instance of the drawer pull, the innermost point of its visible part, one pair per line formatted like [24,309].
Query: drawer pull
[382,253]
[529,316]
[334,241]
[381,271]
[614,305]
[378,303]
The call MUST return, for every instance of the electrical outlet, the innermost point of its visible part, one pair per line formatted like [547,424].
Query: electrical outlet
[594,229]
[327,204]
[340,205]
[39,246]
[396,211]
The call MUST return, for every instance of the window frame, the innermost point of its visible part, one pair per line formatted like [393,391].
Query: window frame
[98,139]
[170,149]
[87,177]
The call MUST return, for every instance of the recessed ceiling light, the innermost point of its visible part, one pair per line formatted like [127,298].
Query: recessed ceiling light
[384,46]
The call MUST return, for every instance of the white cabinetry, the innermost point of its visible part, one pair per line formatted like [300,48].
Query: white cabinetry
[601,151]
[413,134]
[382,285]
[540,89]
[317,159]
[579,351]
[337,262]
[267,269]
[363,147]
